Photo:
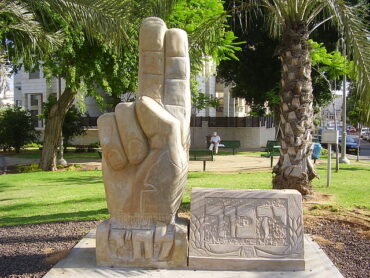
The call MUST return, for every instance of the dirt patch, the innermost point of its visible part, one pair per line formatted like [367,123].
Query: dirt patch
[31,250]
[344,241]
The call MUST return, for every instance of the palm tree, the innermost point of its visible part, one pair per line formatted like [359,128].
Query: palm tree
[293,21]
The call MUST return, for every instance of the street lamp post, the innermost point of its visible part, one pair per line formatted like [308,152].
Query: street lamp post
[61,160]
[343,158]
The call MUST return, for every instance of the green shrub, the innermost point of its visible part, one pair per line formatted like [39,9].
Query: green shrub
[324,151]
[94,145]
[17,128]
[74,121]
[28,168]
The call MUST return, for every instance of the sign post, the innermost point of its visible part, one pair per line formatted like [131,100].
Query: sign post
[329,137]
[328,179]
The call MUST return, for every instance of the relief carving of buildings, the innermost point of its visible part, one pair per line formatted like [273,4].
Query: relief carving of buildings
[252,225]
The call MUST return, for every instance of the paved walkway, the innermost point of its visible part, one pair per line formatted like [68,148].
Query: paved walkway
[222,163]
[233,163]
[81,262]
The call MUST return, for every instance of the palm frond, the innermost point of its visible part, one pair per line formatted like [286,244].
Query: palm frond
[355,28]
[163,8]
[110,20]
[22,34]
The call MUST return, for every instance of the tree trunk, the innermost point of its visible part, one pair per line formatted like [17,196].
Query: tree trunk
[53,130]
[295,168]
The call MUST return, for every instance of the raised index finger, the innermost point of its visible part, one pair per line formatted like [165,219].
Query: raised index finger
[151,58]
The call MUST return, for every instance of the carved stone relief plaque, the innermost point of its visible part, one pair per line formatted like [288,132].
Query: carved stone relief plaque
[246,229]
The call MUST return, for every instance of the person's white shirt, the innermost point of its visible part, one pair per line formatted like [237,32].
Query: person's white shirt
[215,139]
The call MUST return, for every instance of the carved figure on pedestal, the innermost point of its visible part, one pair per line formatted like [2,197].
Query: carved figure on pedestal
[145,157]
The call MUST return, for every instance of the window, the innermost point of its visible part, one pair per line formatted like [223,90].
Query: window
[220,109]
[34,112]
[18,103]
[34,100]
[34,74]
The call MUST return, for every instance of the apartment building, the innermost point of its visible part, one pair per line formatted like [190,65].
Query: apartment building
[31,90]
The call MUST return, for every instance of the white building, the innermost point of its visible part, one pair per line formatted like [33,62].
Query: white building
[229,106]
[6,97]
[6,88]
[327,112]
[31,89]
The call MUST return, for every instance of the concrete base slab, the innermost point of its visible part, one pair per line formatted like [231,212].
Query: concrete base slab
[81,263]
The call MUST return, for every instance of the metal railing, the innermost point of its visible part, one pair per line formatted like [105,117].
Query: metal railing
[266,121]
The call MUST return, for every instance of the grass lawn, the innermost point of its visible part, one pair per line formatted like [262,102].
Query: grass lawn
[79,195]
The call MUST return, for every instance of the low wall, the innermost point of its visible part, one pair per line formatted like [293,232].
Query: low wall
[249,137]
[90,137]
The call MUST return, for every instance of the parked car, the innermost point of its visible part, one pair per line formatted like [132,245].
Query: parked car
[352,130]
[365,132]
[351,145]
[366,136]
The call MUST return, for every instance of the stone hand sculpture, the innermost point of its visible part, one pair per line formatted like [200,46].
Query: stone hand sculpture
[145,156]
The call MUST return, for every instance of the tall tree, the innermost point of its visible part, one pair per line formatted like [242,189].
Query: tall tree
[31,31]
[293,22]
[100,49]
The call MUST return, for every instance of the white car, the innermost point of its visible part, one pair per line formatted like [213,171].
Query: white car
[365,132]
[366,136]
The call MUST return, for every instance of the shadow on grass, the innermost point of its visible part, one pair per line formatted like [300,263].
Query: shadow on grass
[6,199]
[4,187]
[84,180]
[74,201]
[77,215]
[353,168]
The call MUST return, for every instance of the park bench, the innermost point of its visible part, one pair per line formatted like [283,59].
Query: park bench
[230,144]
[272,149]
[201,155]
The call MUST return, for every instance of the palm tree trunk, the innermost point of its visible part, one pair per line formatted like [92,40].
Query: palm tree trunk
[295,168]
[53,130]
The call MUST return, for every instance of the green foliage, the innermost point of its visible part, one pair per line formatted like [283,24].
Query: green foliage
[17,128]
[205,21]
[256,73]
[332,64]
[329,67]
[321,90]
[74,120]
[31,168]
[356,111]
[22,36]
[200,100]
[258,110]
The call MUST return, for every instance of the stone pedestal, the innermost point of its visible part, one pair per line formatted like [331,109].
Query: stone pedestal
[246,229]
[162,246]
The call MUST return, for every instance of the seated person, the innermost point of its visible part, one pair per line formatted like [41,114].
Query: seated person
[215,142]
